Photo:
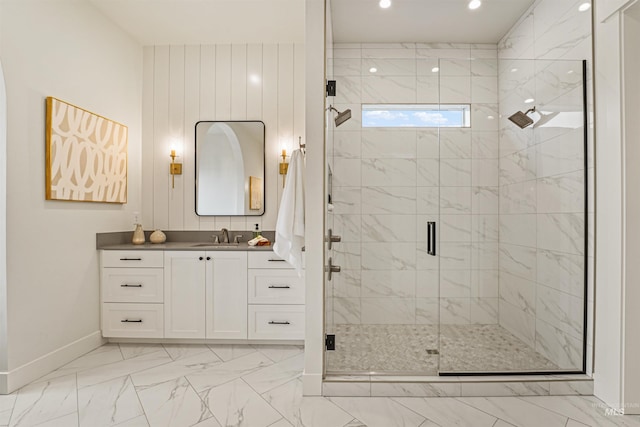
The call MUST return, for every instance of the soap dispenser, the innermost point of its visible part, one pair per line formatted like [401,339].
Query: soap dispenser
[256,232]
[138,235]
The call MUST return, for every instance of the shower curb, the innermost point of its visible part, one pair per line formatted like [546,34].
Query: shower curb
[456,386]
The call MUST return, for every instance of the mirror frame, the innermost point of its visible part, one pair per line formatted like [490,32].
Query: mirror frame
[264,167]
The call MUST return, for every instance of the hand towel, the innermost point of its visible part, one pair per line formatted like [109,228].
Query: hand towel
[290,225]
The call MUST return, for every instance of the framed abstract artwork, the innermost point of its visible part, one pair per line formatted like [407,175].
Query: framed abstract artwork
[255,193]
[86,155]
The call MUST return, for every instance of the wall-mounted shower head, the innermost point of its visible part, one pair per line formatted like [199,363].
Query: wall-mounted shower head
[522,120]
[341,117]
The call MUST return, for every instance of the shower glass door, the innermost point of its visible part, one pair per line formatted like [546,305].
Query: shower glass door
[513,221]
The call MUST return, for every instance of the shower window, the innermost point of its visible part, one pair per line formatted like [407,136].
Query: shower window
[416,115]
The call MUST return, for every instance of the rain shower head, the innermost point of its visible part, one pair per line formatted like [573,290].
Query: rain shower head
[522,120]
[341,117]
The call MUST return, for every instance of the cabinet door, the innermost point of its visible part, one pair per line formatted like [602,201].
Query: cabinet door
[184,294]
[227,295]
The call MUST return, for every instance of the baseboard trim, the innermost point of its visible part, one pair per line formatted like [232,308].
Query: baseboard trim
[311,384]
[22,375]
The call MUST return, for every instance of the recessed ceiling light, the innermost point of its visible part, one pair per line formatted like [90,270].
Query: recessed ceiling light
[474,4]
[385,3]
[584,7]
[513,70]
[373,70]
[435,69]
[529,101]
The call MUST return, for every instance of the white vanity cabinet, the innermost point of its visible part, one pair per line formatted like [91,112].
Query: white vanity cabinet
[208,295]
[184,294]
[205,294]
[276,299]
[132,294]
[226,295]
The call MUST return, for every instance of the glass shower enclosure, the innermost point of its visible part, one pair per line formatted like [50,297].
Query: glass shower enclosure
[463,249]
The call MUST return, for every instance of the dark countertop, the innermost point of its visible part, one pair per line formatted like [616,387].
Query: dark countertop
[180,241]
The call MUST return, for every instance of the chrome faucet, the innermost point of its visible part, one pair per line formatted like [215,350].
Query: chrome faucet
[225,235]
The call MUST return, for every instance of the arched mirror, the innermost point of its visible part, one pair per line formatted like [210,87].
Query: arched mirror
[230,168]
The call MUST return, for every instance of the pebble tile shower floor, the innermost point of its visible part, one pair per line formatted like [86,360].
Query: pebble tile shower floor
[407,348]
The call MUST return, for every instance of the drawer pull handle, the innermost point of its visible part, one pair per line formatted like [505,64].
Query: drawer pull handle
[273,322]
[131,321]
[279,287]
[276,260]
[130,259]
[131,285]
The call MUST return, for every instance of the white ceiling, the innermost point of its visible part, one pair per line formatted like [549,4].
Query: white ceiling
[158,22]
[424,20]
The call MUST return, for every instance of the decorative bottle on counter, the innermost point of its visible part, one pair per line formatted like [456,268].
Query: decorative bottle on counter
[158,237]
[138,235]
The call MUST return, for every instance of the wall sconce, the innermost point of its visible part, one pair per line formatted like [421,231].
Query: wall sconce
[284,166]
[174,168]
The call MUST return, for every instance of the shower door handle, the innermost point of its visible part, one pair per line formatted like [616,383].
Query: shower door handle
[431,238]
[332,238]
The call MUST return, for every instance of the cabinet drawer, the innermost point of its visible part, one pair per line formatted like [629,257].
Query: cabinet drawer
[275,286]
[132,284]
[132,320]
[139,258]
[278,322]
[266,259]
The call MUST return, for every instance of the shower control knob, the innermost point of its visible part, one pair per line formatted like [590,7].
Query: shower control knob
[331,238]
[331,269]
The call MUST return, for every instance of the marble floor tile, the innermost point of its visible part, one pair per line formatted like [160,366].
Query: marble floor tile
[237,404]
[135,350]
[178,368]
[221,373]
[516,411]
[108,403]
[6,407]
[587,410]
[108,353]
[503,423]
[305,411]
[277,374]
[574,423]
[281,423]
[379,411]
[181,351]
[140,421]
[45,400]
[70,420]
[278,353]
[356,423]
[228,352]
[124,367]
[447,411]
[173,403]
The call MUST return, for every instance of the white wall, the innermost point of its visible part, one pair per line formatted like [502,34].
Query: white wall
[185,84]
[616,347]
[52,265]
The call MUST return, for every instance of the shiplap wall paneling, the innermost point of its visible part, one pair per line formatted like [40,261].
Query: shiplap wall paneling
[207,109]
[148,175]
[192,57]
[254,100]
[223,102]
[270,118]
[298,94]
[238,104]
[176,135]
[161,137]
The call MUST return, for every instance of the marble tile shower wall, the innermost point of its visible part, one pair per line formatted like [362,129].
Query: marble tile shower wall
[387,183]
[542,181]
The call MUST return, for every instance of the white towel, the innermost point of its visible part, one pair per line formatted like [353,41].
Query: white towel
[290,225]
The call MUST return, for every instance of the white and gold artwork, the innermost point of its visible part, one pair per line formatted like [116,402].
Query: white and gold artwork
[86,155]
